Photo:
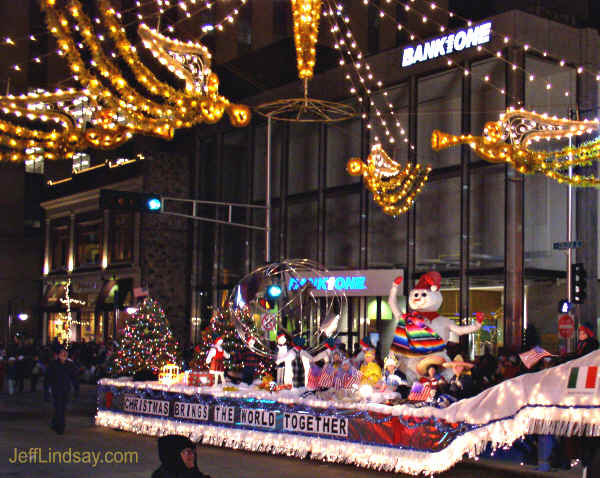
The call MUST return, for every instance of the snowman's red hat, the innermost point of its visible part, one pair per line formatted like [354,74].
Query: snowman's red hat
[431,280]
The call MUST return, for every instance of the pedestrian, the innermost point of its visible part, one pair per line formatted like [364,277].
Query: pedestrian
[20,373]
[2,371]
[59,376]
[177,458]
[37,371]
[11,374]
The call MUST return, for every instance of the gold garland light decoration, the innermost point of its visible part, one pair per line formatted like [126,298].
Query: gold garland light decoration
[508,141]
[393,187]
[108,110]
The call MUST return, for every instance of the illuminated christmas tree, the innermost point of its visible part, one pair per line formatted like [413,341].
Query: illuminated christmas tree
[222,325]
[147,342]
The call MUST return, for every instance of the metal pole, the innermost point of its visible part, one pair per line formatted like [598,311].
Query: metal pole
[570,342]
[268,196]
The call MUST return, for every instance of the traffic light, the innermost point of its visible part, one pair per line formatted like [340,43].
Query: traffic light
[564,306]
[578,283]
[130,201]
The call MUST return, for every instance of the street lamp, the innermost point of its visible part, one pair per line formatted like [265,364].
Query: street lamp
[22,316]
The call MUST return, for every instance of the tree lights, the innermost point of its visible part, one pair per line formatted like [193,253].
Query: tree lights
[508,140]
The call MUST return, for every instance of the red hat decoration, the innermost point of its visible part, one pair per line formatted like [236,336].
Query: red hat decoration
[431,280]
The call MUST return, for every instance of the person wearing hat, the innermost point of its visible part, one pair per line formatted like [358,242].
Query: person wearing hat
[392,378]
[177,458]
[282,351]
[461,383]
[216,360]
[587,341]
[429,369]
[371,372]
[346,376]
[298,360]
[365,344]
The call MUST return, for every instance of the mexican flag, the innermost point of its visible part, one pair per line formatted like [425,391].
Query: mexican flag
[582,380]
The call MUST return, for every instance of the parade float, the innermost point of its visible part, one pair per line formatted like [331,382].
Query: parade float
[306,412]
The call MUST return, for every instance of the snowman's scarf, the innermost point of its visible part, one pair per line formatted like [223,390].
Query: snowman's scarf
[414,338]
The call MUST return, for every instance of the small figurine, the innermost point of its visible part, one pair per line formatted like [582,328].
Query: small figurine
[282,351]
[365,344]
[371,372]
[429,368]
[215,359]
[461,384]
[392,378]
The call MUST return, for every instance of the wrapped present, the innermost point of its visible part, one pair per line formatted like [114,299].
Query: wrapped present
[199,378]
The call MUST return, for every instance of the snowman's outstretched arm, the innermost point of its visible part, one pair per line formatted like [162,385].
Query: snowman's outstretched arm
[392,301]
[210,355]
[464,329]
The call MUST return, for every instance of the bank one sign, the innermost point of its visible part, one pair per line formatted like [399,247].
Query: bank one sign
[369,282]
[453,42]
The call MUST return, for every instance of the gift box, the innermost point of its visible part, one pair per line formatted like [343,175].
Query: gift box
[199,378]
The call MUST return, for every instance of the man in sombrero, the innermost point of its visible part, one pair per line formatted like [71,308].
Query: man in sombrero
[423,331]
[461,384]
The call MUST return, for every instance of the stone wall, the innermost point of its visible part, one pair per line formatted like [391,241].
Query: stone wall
[165,251]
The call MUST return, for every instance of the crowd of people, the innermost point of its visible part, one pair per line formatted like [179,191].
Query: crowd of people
[24,363]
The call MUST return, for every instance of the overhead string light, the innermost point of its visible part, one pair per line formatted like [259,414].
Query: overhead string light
[486,79]
[366,80]
[394,187]
[506,40]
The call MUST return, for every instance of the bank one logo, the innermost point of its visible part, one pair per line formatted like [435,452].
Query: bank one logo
[331,283]
[454,42]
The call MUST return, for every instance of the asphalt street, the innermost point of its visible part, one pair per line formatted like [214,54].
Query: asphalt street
[26,441]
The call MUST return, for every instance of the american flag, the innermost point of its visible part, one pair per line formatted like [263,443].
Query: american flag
[314,377]
[533,356]
[347,379]
[419,392]
[327,375]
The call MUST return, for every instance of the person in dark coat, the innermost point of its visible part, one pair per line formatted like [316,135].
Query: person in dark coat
[178,458]
[59,377]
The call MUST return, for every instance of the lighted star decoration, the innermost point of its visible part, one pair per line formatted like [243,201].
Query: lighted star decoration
[109,109]
[393,186]
[508,141]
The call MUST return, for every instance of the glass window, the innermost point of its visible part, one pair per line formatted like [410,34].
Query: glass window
[386,231]
[88,240]
[440,99]
[343,143]
[342,231]
[35,165]
[302,230]
[260,157]
[81,161]
[59,244]
[438,225]
[553,100]
[303,171]
[487,217]
[121,236]
[487,103]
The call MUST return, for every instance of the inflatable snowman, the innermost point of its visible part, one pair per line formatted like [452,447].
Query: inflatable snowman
[423,331]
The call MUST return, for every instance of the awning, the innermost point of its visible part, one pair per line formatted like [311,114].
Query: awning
[52,299]
[121,289]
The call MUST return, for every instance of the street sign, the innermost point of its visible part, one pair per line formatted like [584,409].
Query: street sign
[560,246]
[566,326]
